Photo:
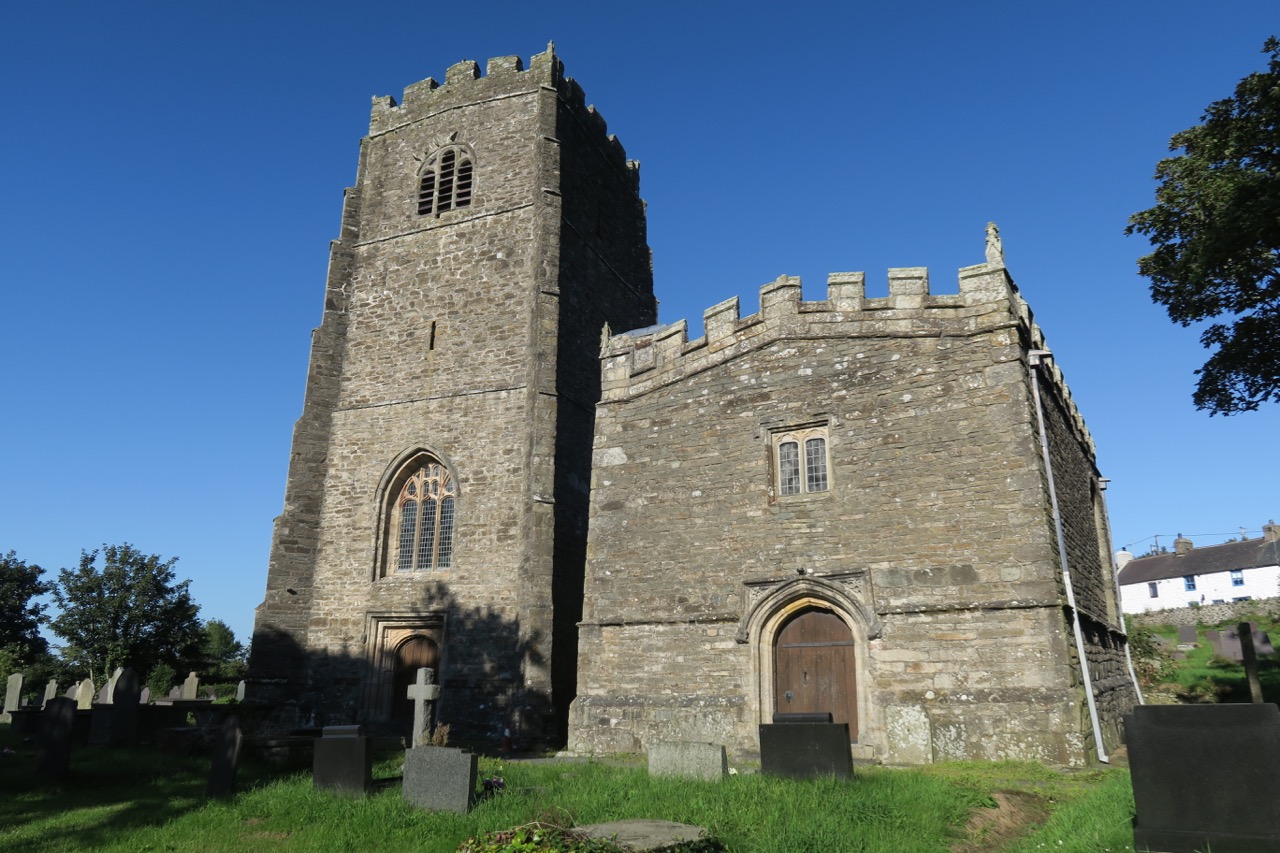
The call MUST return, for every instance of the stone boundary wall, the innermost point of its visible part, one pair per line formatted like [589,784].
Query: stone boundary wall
[1211,614]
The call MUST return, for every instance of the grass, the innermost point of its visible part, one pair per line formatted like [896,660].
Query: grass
[148,801]
[1202,677]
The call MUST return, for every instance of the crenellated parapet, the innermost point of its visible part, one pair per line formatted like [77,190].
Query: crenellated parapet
[504,77]
[635,363]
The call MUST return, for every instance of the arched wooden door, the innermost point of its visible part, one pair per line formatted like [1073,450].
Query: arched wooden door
[814,667]
[411,655]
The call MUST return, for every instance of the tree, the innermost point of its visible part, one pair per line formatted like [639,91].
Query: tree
[1216,232]
[126,612]
[20,614]
[223,655]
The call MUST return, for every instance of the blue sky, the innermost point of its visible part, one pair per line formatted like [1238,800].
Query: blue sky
[174,174]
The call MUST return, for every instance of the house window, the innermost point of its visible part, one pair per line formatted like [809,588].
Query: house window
[1153,589]
[424,520]
[800,461]
[446,182]
[1237,577]
[1189,583]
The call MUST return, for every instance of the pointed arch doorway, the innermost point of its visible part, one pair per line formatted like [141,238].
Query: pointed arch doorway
[815,668]
[412,654]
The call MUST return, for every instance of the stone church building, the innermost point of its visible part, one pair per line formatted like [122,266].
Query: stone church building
[601,533]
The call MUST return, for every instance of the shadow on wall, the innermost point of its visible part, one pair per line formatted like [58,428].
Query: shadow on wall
[485,660]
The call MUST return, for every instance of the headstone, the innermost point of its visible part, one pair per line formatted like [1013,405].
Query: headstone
[190,687]
[50,692]
[423,693]
[689,760]
[53,755]
[111,683]
[440,778]
[240,692]
[795,746]
[226,759]
[343,761]
[144,698]
[104,695]
[124,709]
[12,697]
[100,724]
[84,695]
[1187,634]
[175,692]
[210,693]
[1204,777]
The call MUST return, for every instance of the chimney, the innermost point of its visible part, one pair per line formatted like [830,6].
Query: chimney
[1271,531]
[1123,558]
[1182,546]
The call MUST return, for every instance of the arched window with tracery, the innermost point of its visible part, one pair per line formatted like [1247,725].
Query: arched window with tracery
[446,181]
[423,519]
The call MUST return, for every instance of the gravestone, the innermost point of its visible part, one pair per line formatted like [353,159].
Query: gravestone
[53,755]
[424,694]
[688,760]
[1204,777]
[144,698]
[175,692]
[210,693]
[1187,635]
[226,759]
[100,723]
[50,692]
[84,695]
[440,778]
[124,709]
[803,747]
[240,692]
[111,683]
[104,695]
[190,687]
[343,761]
[12,697]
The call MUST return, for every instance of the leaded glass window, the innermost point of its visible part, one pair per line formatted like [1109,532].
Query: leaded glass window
[791,477]
[425,519]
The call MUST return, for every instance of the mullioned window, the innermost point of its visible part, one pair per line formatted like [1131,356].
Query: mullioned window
[424,520]
[446,181]
[800,461]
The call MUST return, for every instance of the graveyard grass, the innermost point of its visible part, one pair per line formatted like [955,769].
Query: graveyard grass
[1203,677]
[144,800]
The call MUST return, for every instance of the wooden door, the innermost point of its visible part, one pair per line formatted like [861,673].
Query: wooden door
[412,654]
[814,668]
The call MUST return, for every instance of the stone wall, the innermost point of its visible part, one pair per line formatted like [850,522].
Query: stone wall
[934,540]
[1206,614]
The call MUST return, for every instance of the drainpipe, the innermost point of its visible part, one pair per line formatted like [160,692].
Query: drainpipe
[1115,585]
[1036,358]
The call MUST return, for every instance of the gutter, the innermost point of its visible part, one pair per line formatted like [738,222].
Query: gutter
[1036,358]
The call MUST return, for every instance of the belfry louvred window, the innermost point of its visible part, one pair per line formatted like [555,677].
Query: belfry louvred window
[446,182]
[424,515]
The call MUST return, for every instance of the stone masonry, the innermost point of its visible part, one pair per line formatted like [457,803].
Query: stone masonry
[934,542]
[621,557]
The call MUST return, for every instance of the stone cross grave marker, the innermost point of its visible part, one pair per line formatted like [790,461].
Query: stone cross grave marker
[84,695]
[191,687]
[12,696]
[50,692]
[423,693]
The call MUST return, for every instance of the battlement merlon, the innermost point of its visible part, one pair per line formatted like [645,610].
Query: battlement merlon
[988,301]
[505,76]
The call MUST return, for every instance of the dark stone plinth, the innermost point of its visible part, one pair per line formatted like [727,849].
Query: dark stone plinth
[226,759]
[124,709]
[100,725]
[57,725]
[806,750]
[1204,777]
[343,765]
[440,778]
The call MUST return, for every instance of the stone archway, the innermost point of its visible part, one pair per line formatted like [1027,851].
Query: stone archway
[815,667]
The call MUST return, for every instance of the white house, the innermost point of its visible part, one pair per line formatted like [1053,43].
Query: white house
[1189,577]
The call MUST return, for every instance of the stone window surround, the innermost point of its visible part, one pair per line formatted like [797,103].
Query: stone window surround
[394,477]
[458,192]
[800,434]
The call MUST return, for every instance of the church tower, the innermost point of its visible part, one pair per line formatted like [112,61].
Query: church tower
[437,498]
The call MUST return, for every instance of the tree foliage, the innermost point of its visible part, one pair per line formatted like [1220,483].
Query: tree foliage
[1216,233]
[21,614]
[126,611]
[223,655]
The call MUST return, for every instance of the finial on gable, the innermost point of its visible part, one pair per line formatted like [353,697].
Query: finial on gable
[995,248]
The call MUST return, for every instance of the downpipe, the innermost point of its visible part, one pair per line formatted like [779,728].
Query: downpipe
[1036,359]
